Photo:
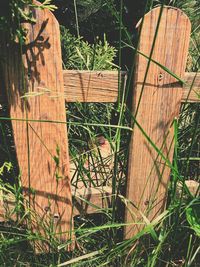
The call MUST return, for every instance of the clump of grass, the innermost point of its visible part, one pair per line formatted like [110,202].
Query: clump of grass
[78,54]
[99,237]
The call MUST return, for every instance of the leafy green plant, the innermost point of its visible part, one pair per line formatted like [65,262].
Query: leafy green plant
[193,216]
[17,12]
[7,166]
[99,237]
[79,54]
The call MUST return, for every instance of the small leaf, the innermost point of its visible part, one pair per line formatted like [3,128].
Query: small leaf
[56,159]
[193,217]
[58,150]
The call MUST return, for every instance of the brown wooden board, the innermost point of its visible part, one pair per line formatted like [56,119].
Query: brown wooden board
[91,200]
[191,90]
[102,86]
[92,86]
[41,147]
[85,201]
[148,173]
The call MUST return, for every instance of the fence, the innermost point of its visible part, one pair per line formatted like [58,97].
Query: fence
[38,118]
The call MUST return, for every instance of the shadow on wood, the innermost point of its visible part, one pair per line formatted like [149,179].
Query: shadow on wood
[165,37]
[41,148]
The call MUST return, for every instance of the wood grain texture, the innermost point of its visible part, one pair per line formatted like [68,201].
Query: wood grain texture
[100,90]
[102,86]
[148,173]
[7,207]
[41,147]
[91,200]
[98,197]
[191,90]
[92,86]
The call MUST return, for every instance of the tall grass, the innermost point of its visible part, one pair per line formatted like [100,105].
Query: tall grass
[169,240]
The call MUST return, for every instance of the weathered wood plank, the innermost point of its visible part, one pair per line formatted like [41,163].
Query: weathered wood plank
[85,201]
[105,90]
[91,200]
[102,86]
[155,106]
[191,90]
[41,148]
[91,86]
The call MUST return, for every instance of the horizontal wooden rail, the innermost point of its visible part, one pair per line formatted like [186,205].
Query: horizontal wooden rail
[85,201]
[191,90]
[91,200]
[102,86]
[91,86]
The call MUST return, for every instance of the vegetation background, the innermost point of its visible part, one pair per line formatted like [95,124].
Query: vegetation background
[92,36]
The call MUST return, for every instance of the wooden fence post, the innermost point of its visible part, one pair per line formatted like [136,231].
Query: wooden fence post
[155,106]
[35,94]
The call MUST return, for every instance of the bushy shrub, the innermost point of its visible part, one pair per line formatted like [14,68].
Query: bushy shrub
[80,55]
